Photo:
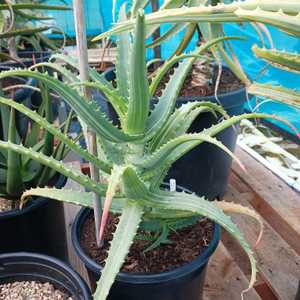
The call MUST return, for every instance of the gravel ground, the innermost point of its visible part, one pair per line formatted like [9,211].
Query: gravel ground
[31,290]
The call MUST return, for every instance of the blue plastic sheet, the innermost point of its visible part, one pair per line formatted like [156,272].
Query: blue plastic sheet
[275,76]
[95,18]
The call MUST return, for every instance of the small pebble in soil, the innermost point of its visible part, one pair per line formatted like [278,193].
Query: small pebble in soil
[5,205]
[31,290]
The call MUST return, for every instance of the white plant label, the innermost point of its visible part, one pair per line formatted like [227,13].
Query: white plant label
[172,185]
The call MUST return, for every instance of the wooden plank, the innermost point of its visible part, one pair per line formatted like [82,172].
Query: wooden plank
[156,33]
[272,198]
[70,212]
[278,263]
[97,56]
[224,279]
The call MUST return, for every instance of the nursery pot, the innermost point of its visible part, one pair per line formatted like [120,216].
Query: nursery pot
[27,96]
[28,229]
[24,96]
[27,59]
[24,266]
[205,169]
[181,283]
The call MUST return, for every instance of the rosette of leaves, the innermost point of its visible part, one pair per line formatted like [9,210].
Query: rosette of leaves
[210,16]
[135,156]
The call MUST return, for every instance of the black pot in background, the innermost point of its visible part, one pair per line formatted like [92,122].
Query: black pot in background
[28,229]
[24,266]
[27,59]
[204,170]
[181,283]
[27,96]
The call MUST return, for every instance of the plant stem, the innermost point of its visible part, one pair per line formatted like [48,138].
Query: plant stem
[83,72]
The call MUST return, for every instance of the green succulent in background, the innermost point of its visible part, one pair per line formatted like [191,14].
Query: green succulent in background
[18,172]
[19,26]
[135,156]
[210,16]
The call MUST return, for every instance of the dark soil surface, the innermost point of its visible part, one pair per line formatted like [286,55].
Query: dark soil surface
[201,81]
[187,244]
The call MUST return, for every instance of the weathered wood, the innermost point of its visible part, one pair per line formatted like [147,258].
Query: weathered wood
[224,279]
[70,212]
[278,263]
[97,56]
[272,198]
[156,34]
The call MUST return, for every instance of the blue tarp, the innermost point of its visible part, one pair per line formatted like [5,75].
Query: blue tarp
[275,76]
[95,17]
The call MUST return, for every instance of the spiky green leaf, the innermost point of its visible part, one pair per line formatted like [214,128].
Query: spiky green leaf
[136,189]
[279,59]
[123,238]
[89,111]
[14,183]
[63,137]
[278,93]
[56,165]
[123,66]
[139,103]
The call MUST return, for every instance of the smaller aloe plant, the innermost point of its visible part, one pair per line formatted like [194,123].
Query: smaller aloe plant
[135,156]
[18,26]
[17,171]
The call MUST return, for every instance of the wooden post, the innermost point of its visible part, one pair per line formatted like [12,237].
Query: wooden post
[156,34]
[81,42]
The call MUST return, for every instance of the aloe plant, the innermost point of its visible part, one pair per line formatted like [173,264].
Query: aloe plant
[17,171]
[18,25]
[134,157]
[282,14]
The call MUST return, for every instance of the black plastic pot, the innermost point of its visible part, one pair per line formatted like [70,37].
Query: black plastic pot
[204,170]
[27,229]
[24,96]
[24,266]
[181,283]
[27,59]
[27,96]
[298,292]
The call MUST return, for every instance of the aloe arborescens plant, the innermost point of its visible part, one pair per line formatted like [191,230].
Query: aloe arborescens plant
[134,157]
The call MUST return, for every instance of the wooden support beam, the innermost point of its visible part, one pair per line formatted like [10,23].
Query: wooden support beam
[277,262]
[224,279]
[70,212]
[272,198]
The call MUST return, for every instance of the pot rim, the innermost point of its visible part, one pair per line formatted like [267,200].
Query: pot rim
[52,262]
[32,205]
[143,278]
[110,72]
